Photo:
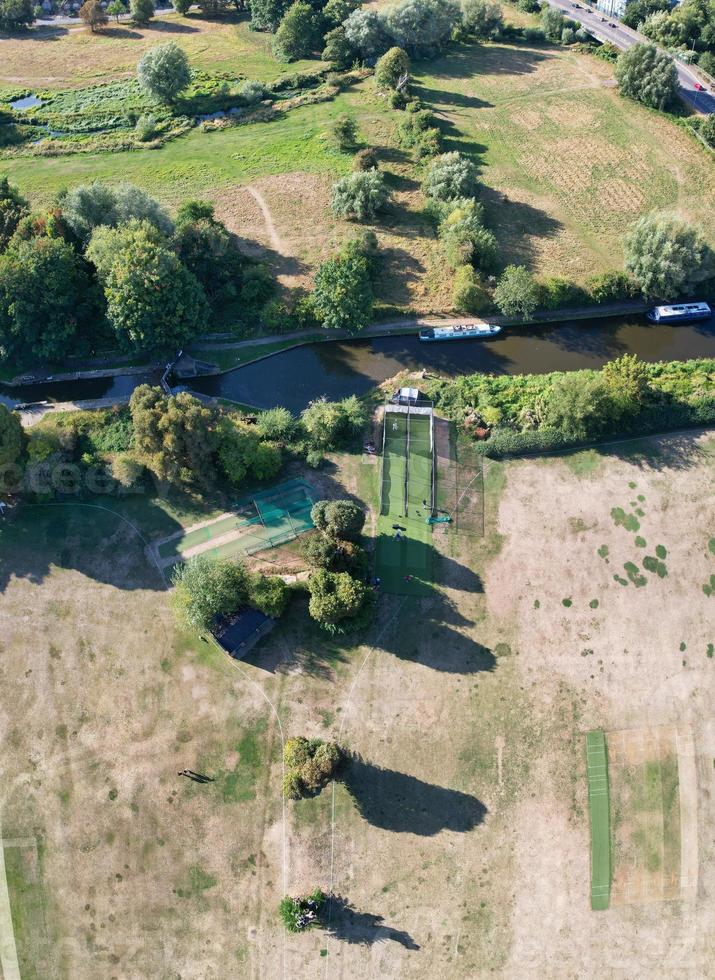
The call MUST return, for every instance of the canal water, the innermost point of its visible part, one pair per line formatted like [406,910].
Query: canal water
[340,368]
[337,369]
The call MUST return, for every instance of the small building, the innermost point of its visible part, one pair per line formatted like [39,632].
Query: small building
[406,396]
[240,631]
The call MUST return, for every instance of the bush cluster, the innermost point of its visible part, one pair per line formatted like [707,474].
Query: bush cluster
[309,765]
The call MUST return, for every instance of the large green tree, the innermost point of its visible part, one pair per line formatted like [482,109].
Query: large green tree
[13,207]
[329,424]
[360,195]
[516,293]
[266,15]
[343,519]
[207,587]
[648,75]
[13,443]
[391,67]
[207,249]
[16,14]
[164,71]
[174,435]
[153,301]
[482,18]
[422,27]
[342,294]
[45,299]
[451,176]
[667,256]
[299,33]
[335,597]
[581,406]
[87,206]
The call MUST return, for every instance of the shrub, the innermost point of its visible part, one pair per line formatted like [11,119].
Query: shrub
[314,459]
[555,293]
[13,208]
[451,176]
[428,144]
[331,424]
[415,122]
[534,35]
[516,293]
[648,75]
[207,587]
[366,33]
[345,132]
[146,127]
[468,294]
[89,206]
[552,23]
[92,13]
[336,599]
[707,128]
[365,159]
[612,287]
[142,11]
[464,237]
[127,471]
[392,66]
[422,27]
[164,71]
[529,6]
[338,51]
[252,92]
[276,423]
[360,195]
[342,293]
[269,594]
[298,914]
[339,519]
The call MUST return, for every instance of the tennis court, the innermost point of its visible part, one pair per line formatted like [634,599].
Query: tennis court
[404,553]
[598,804]
[263,520]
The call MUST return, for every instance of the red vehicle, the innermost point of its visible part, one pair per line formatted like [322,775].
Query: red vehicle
[698,87]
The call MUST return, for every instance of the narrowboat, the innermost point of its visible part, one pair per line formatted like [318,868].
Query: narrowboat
[680,313]
[462,331]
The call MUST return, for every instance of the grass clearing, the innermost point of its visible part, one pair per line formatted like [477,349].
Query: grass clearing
[599,807]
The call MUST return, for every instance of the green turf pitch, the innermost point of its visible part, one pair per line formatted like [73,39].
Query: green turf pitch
[598,804]
[405,565]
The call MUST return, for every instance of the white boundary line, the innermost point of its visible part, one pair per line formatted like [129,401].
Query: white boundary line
[332,814]
[8,949]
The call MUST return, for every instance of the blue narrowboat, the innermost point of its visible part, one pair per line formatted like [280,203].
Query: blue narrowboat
[680,313]
[462,331]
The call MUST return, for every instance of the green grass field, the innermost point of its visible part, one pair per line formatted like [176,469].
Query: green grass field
[598,802]
[405,564]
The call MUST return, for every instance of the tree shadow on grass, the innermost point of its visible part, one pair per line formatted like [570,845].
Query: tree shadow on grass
[469,60]
[404,804]
[680,451]
[124,33]
[449,100]
[169,27]
[520,228]
[363,928]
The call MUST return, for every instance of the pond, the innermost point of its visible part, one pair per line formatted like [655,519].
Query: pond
[27,102]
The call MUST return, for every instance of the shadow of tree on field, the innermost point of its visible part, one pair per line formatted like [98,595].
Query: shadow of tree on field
[468,60]
[404,804]
[169,27]
[363,928]
[520,228]
[118,32]
[675,452]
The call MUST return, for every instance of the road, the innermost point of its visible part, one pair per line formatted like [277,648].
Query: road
[606,28]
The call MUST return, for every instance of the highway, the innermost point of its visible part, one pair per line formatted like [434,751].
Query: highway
[606,27]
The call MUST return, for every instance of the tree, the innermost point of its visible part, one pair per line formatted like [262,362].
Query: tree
[266,15]
[208,587]
[126,470]
[335,598]
[707,131]
[329,424]
[16,14]
[93,15]
[627,381]
[422,27]
[338,51]
[45,299]
[345,132]
[342,293]
[360,195]
[639,10]
[391,67]
[116,8]
[164,71]
[298,914]
[207,249]
[182,6]
[269,594]
[276,423]
[580,406]
[516,293]
[552,23]
[242,452]
[464,237]
[174,435]
[482,18]
[298,34]
[88,206]
[648,75]
[667,256]
[365,159]
[336,12]
[451,176]
[13,207]
[153,301]
[366,32]
[13,441]
[142,11]
[338,519]
[468,294]
[310,764]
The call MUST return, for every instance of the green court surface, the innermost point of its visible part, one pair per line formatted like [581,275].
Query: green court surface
[404,565]
[598,804]
[202,534]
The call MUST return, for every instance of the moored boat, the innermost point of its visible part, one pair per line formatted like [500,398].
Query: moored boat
[462,331]
[679,313]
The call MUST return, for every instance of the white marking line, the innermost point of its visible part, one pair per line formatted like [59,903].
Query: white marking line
[688,797]
[332,815]
[8,949]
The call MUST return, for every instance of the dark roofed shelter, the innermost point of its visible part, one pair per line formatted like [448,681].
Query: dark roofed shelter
[240,631]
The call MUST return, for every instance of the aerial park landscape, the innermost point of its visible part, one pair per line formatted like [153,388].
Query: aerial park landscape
[357,532]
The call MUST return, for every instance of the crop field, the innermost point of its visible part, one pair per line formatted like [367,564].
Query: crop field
[457,843]
[567,164]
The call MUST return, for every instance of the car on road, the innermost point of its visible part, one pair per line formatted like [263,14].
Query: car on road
[698,87]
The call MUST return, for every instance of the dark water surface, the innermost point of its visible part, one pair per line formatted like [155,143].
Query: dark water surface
[340,368]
